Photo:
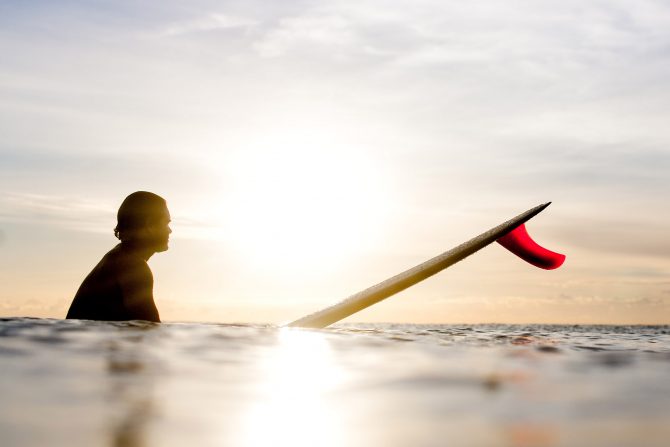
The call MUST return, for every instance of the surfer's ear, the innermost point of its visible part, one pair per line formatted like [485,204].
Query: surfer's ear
[141,232]
[149,226]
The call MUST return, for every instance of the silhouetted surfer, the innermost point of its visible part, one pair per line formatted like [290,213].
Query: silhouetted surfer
[120,287]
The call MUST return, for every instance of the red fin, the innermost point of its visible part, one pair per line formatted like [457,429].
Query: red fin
[519,242]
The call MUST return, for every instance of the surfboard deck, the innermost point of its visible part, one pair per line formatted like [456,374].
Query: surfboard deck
[408,278]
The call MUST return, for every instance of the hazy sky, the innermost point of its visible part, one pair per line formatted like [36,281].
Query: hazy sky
[309,149]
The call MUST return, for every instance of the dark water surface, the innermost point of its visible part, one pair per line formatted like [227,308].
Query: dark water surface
[75,383]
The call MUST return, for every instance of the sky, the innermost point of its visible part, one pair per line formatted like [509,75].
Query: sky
[310,149]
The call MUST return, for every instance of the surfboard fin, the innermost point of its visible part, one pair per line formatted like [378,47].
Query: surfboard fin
[519,242]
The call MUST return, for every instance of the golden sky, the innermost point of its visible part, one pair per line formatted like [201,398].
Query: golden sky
[309,149]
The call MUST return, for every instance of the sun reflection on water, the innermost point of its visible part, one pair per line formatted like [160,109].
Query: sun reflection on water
[296,395]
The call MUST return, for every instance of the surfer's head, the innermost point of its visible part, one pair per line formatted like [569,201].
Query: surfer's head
[144,218]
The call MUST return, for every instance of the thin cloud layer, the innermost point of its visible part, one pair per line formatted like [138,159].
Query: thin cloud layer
[467,110]
[210,22]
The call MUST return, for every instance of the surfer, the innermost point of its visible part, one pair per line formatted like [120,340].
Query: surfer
[120,287]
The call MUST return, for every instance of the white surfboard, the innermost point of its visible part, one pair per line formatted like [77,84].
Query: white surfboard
[408,278]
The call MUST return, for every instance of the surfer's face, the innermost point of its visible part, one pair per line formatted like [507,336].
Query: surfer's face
[159,230]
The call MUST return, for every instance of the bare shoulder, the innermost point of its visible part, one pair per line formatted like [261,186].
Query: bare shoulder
[128,266]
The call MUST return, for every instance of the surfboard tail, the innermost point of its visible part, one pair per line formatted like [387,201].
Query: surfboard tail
[519,242]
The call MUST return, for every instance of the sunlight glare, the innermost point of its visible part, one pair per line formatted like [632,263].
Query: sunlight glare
[303,204]
[296,402]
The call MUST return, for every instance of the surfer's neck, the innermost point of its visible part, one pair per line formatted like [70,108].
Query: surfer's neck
[137,249]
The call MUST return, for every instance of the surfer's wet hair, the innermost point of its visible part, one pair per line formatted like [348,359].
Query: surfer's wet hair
[137,210]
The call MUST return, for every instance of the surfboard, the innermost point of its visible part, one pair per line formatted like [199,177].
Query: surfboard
[414,275]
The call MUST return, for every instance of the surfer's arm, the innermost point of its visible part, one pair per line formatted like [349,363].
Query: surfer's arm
[137,284]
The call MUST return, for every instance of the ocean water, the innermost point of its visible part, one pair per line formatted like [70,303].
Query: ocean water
[132,384]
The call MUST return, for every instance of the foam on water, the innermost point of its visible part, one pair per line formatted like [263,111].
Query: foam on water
[76,383]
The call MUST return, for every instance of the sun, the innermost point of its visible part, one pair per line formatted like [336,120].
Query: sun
[296,204]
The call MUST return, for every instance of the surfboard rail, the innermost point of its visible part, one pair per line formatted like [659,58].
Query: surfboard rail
[414,275]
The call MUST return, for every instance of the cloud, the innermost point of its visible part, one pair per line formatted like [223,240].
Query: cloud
[328,33]
[619,238]
[67,212]
[209,22]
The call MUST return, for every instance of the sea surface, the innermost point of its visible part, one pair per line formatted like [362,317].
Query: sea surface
[132,384]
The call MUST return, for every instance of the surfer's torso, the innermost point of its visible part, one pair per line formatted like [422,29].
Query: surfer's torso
[119,288]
